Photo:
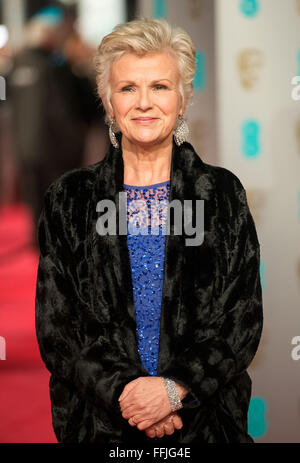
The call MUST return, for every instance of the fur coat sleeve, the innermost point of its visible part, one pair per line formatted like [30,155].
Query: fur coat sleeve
[211,313]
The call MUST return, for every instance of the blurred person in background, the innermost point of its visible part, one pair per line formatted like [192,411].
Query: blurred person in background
[52,107]
[79,55]
[8,169]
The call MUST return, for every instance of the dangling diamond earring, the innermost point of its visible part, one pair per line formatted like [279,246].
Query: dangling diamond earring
[181,132]
[112,130]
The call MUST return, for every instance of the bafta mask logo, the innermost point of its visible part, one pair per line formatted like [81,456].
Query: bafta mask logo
[195,8]
[249,64]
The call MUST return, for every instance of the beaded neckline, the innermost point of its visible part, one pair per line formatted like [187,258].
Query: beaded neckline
[146,186]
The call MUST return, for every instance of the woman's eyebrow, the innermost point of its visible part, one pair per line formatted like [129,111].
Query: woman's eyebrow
[130,82]
[159,80]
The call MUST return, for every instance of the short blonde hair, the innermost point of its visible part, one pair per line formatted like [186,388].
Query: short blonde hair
[142,36]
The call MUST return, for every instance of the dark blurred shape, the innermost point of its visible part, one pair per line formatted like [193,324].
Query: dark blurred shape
[52,106]
[8,168]
[131,9]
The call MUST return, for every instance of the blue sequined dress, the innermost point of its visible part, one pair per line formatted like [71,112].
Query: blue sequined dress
[146,235]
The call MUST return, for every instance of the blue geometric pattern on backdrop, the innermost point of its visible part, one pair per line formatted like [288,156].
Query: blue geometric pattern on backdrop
[200,74]
[249,8]
[262,275]
[159,9]
[257,420]
[250,132]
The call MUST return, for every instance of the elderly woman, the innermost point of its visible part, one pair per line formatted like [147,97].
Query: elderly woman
[148,335]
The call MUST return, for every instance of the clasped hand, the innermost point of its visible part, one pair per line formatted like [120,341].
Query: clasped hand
[144,403]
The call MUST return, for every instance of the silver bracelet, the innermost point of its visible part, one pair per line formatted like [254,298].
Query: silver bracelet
[173,395]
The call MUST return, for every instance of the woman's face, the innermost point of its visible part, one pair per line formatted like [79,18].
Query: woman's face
[145,96]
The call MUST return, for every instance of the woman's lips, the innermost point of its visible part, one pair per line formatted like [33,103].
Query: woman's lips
[144,120]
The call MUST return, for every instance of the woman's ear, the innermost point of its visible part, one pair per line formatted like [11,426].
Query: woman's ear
[181,112]
[181,109]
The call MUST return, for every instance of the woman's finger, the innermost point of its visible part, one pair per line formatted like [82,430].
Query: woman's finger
[160,431]
[150,432]
[141,415]
[128,412]
[145,424]
[169,427]
[177,421]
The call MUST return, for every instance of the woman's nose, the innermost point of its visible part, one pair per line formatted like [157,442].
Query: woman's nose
[144,99]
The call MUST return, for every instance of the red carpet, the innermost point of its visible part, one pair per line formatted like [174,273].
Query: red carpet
[25,414]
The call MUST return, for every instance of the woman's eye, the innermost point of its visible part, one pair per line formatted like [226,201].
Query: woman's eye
[127,89]
[160,87]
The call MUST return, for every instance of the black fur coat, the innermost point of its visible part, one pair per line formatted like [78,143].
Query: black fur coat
[211,313]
